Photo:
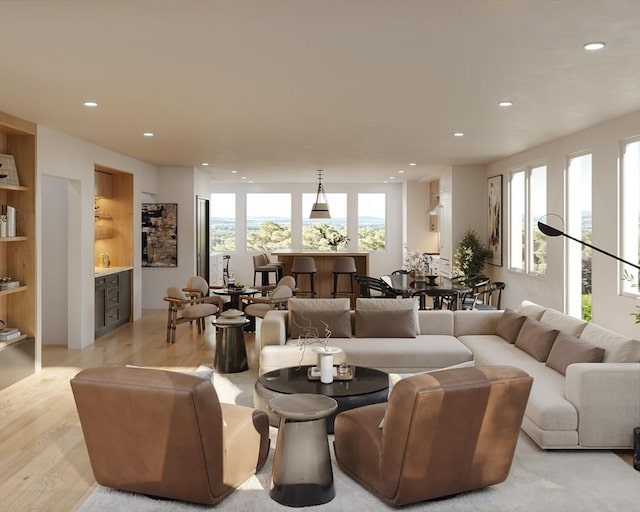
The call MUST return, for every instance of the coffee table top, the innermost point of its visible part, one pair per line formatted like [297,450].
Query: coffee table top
[294,380]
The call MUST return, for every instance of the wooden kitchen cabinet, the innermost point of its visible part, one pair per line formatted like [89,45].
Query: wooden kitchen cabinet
[112,301]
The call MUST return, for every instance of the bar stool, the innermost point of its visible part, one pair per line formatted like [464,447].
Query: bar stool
[304,265]
[275,263]
[343,265]
[261,266]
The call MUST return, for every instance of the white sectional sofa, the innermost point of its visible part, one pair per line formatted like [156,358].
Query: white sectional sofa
[574,405]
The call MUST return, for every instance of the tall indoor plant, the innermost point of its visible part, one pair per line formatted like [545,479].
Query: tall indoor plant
[470,256]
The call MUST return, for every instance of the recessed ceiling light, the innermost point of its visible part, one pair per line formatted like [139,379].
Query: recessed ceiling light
[412,163]
[205,163]
[244,177]
[148,134]
[594,46]
[392,177]
[400,172]
[458,134]
[505,103]
[385,181]
[234,172]
[90,103]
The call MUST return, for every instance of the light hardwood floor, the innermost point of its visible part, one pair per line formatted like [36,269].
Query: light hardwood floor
[43,460]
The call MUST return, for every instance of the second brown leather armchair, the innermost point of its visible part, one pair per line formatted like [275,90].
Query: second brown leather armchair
[166,434]
[444,433]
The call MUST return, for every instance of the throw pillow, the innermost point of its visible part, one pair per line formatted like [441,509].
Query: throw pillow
[536,339]
[509,325]
[386,323]
[568,350]
[305,305]
[394,378]
[338,322]
[391,305]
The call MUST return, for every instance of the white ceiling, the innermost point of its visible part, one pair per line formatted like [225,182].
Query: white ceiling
[275,89]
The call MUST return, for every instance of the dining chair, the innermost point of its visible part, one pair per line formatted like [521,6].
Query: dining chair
[492,297]
[374,287]
[186,309]
[197,287]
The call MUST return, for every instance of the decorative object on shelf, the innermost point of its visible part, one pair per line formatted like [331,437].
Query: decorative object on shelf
[494,191]
[320,209]
[470,256]
[6,283]
[105,260]
[159,234]
[8,172]
[333,237]
[8,214]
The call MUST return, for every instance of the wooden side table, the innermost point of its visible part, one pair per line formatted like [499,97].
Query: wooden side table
[302,473]
[231,354]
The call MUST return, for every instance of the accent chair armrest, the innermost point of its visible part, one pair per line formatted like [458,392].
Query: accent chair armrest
[606,397]
[273,330]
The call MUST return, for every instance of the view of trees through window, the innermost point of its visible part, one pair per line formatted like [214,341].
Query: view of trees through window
[372,212]
[630,192]
[578,225]
[268,222]
[222,212]
[316,233]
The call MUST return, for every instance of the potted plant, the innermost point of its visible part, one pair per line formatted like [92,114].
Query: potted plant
[470,256]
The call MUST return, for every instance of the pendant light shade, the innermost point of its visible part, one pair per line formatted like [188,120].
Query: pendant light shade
[320,209]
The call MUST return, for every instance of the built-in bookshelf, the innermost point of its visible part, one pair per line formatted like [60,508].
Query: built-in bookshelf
[18,253]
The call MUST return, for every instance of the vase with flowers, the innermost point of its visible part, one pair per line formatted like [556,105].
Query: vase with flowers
[332,236]
[416,263]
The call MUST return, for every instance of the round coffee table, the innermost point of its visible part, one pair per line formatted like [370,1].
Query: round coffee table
[368,386]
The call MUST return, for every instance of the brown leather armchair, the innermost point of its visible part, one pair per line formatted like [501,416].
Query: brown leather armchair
[166,434]
[444,433]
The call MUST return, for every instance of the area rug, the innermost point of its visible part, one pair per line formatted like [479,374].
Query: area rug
[544,481]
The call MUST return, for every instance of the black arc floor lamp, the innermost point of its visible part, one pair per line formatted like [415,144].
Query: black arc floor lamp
[551,231]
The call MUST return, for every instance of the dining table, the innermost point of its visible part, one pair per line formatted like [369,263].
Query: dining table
[441,289]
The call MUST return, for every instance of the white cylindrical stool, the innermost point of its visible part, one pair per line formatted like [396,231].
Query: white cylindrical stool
[302,474]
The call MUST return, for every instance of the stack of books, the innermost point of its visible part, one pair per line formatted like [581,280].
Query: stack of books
[9,333]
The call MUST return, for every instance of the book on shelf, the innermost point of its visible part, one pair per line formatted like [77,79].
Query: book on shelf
[9,334]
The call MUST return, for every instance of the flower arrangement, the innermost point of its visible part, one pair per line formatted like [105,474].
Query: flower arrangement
[414,260]
[311,336]
[333,237]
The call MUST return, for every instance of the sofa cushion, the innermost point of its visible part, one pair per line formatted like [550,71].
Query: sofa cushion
[363,304]
[536,339]
[509,325]
[334,323]
[306,305]
[531,309]
[568,349]
[617,348]
[563,323]
[386,324]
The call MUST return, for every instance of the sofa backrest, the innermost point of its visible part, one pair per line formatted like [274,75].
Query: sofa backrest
[617,348]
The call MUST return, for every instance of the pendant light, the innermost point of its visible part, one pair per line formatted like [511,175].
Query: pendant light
[320,209]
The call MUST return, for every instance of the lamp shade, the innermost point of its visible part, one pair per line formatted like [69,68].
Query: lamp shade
[320,209]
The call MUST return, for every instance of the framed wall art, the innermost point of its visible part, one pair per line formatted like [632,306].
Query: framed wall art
[159,235]
[494,235]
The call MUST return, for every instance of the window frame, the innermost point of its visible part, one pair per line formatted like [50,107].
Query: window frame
[624,289]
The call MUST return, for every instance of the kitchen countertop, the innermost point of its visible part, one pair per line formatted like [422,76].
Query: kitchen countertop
[105,271]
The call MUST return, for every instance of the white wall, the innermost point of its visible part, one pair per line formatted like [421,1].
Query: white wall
[62,156]
[54,248]
[175,185]
[419,235]
[610,309]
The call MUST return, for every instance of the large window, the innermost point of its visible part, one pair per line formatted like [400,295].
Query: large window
[578,225]
[527,204]
[316,233]
[630,214]
[222,214]
[372,212]
[268,222]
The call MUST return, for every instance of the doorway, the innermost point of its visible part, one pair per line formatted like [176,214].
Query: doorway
[202,237]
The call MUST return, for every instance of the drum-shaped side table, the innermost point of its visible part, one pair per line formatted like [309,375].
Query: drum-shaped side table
[231,354]
[302,473]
